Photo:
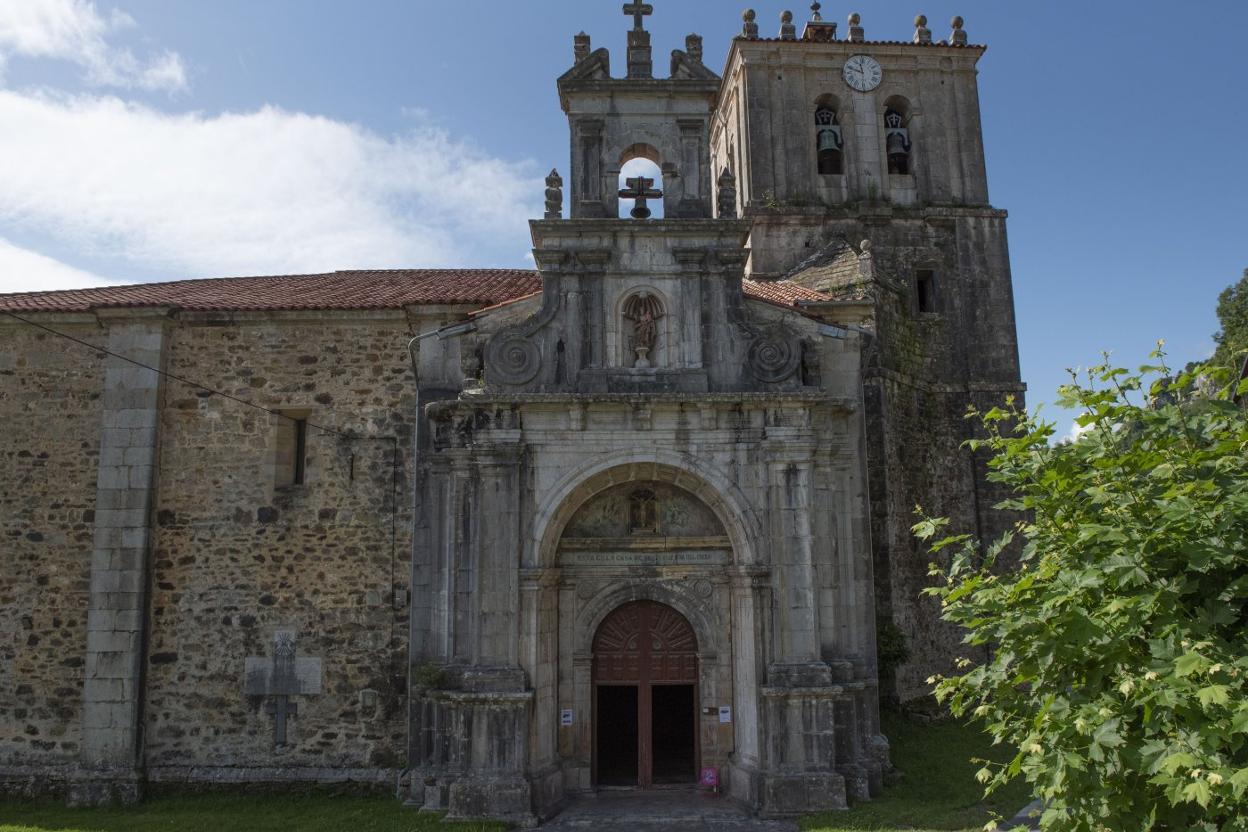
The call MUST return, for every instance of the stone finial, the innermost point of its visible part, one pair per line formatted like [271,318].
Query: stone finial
[693,48]
[554,196]
[922,34]
[856,33]
[638,12]
[787,30]
[749,27]
[814,12]
[958,37]
[580,47]
[727,195]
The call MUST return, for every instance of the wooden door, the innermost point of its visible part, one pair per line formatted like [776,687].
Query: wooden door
[644,644]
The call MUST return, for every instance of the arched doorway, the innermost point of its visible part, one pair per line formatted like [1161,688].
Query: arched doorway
[645,697]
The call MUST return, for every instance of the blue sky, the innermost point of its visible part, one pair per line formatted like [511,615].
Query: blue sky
[160,139]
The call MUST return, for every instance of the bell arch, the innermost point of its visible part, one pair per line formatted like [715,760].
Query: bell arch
[898,143]
[829,139]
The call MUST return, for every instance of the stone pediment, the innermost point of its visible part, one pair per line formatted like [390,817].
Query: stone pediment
[685,68]
[595,67]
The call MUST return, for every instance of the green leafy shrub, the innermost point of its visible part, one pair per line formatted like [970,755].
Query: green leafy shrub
[1119,663]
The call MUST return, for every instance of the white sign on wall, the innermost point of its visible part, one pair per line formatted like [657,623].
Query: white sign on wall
[565,717]
[725,713]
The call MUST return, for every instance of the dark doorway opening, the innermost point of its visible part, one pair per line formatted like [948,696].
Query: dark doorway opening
[645,701]
[672,735]
[617,735]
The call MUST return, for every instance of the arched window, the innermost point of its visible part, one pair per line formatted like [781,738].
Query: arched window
[829,142]
[897,137]
[641,175]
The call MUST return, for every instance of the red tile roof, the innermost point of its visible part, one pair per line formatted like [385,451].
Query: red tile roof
[781,292]
[377,289]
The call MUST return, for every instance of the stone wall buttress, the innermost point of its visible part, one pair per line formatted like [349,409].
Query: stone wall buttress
[112,688]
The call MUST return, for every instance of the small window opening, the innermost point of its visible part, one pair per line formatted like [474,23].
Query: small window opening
[897,142]
[301,450]
[925,290]
[829,142]
[291,451]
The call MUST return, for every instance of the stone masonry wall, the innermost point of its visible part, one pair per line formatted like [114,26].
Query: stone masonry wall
[49,449]
[237,557]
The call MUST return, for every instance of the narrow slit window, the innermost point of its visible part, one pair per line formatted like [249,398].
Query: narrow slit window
[290,449]
[925,290]
[301,451]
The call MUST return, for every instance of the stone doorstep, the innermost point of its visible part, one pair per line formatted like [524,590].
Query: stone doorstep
[652,811]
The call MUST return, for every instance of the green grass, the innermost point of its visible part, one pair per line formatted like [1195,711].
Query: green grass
[313,812]
[936,789]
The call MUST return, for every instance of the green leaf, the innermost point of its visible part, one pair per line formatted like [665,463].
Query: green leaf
[1214,695]
[1189,663]
[1197,791]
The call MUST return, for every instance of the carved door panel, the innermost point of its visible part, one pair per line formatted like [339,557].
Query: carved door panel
[646,644]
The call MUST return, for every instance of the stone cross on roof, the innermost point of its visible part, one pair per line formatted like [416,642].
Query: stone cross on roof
[640,188]
[281,677]
[638,11]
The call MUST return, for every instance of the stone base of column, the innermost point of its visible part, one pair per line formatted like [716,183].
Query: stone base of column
[504,800]
[470,749]
[790,795]
[104,787]
[822,748]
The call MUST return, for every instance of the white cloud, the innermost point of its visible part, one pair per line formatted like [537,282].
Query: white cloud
[22,270]
[76,31]
[1077,430]
[259,192]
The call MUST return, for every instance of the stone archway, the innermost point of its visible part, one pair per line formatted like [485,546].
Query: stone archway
[645,672]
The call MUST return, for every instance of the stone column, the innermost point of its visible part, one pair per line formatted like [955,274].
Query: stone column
[587,174]
[498,550]
[539,609]
[789,467]
[750,597]
[113,684]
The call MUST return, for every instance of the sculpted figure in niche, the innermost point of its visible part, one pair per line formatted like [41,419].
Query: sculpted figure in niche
[645,311]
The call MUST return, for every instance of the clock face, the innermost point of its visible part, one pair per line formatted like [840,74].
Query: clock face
[863,73]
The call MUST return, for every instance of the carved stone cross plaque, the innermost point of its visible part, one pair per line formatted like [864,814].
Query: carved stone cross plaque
[280,677]
[640,188]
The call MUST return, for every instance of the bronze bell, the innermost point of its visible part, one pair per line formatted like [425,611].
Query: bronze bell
[896,143]
[829,138]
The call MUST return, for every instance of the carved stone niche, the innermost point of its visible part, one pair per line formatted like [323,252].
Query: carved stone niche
[643,329]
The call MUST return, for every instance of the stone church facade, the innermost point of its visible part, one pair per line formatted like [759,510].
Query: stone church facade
[634,519]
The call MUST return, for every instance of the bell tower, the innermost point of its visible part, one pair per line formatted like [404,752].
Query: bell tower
[615,120]
[859,164]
